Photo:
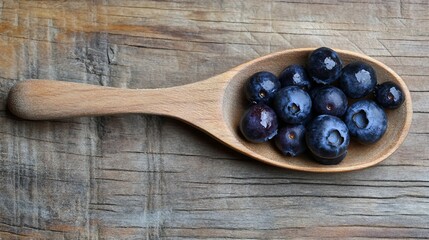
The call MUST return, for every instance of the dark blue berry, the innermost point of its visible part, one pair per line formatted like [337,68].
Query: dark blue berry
[324,65]
[292,104]
[389,95]
[313,90]
[309,118]
[330,100]
[261,87]
[327,137]
[290,140]
[366,121]
[259,123]
[357,79]
[330,161]
[295,75]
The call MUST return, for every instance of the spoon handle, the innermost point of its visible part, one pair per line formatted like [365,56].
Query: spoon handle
[51,99]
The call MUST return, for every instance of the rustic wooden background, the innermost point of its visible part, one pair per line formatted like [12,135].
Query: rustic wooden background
[138,176]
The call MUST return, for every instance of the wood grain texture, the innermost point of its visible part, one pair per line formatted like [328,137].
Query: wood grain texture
[141,176]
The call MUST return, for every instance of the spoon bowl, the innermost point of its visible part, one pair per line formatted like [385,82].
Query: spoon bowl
[214,106]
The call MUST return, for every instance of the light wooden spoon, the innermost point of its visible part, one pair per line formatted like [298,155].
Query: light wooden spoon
[214,106]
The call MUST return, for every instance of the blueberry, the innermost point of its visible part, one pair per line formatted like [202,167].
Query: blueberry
[295,75]
[259,123]
[292,104]
[330,100]
[357,79]
[290,140]
[330,161]
[261,87]
[313,90]
[327,137]
[367,122]
[389,95]
[308,119]
[324,65]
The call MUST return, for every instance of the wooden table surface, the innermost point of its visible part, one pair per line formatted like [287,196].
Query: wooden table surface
[150,177]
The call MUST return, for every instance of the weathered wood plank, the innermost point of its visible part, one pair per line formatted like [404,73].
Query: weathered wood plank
[133,177]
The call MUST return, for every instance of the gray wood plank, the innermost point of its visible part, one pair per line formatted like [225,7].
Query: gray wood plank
[140,176]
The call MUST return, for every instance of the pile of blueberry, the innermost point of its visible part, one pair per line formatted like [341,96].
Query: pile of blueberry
[307,108]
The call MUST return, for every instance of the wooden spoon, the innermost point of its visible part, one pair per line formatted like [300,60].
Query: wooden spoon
[214,106]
